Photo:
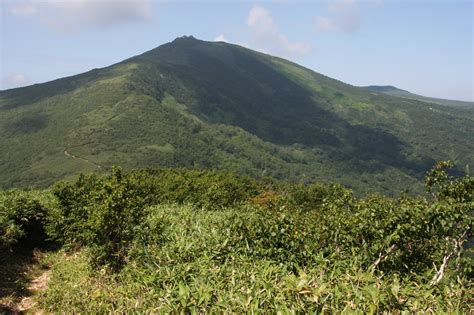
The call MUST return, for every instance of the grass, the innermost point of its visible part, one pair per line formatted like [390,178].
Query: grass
[180,241]
[190,270]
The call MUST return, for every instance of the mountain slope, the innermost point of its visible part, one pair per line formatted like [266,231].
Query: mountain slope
[391,90]
[204,104]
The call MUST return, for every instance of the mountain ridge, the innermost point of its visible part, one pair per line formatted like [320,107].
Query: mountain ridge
[394,91]
[191,103]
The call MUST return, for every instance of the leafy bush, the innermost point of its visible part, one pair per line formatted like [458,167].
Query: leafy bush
[202,241]
[210,190]
[104,214]
[447,187]
[314,196]
[238,260]
[22,218]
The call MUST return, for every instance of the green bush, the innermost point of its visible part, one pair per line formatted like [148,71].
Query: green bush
[104,214]
[289,222]
[212,241]
[314,196]
[23,216]
[211,190]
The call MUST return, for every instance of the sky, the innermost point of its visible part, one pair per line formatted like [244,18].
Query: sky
[426,46]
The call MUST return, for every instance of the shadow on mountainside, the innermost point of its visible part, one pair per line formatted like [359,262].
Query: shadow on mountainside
[228,85]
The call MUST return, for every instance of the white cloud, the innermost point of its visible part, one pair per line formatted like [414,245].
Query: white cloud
[340,5]
[220,38]
[267,36]
[23,9]
[344,17]
[14,80]
[74,15]
[261,20]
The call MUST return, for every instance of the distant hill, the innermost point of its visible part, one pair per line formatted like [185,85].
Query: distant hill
[391,90]
[192,103]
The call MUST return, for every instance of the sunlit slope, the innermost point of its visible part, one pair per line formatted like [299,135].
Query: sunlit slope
[215,105]
[391,90]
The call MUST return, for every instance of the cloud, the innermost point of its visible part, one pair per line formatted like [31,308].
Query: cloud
[344,17]
[14,80]
[267,36]
[261,20]
[74,15]
[220,38]
[23,9]
[340,5]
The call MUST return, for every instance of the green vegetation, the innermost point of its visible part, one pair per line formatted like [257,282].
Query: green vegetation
[176,240]
[165,233]
[393,91]
[204,105]
[22,217]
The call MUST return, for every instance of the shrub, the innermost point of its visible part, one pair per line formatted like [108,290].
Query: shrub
[103,214]
[22,218]
[267,248]
[298,224]
[211,190]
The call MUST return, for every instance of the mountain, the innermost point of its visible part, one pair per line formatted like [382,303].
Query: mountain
[394,91]
[192,103]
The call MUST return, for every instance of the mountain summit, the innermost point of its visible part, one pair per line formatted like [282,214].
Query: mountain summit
[194,103]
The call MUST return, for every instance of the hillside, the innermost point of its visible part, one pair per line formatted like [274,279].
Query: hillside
[194,103]
[391,90]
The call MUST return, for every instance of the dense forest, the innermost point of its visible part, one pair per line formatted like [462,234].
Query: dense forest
[199,241]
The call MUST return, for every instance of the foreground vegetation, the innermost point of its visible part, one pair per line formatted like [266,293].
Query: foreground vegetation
[203,241]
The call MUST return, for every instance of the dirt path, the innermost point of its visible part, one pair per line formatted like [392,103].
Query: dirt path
[36,286]
[66,153]
[23,275]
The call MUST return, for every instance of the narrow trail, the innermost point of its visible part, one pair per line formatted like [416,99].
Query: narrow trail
[37,285]
[24,274]
[66,153]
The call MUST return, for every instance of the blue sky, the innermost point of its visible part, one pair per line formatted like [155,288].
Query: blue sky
[425,47]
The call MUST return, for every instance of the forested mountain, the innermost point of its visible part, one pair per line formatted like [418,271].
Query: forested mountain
[193,103]
[394,91]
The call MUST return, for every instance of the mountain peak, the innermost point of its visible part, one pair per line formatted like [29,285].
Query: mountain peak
[185,38]
[196,103]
